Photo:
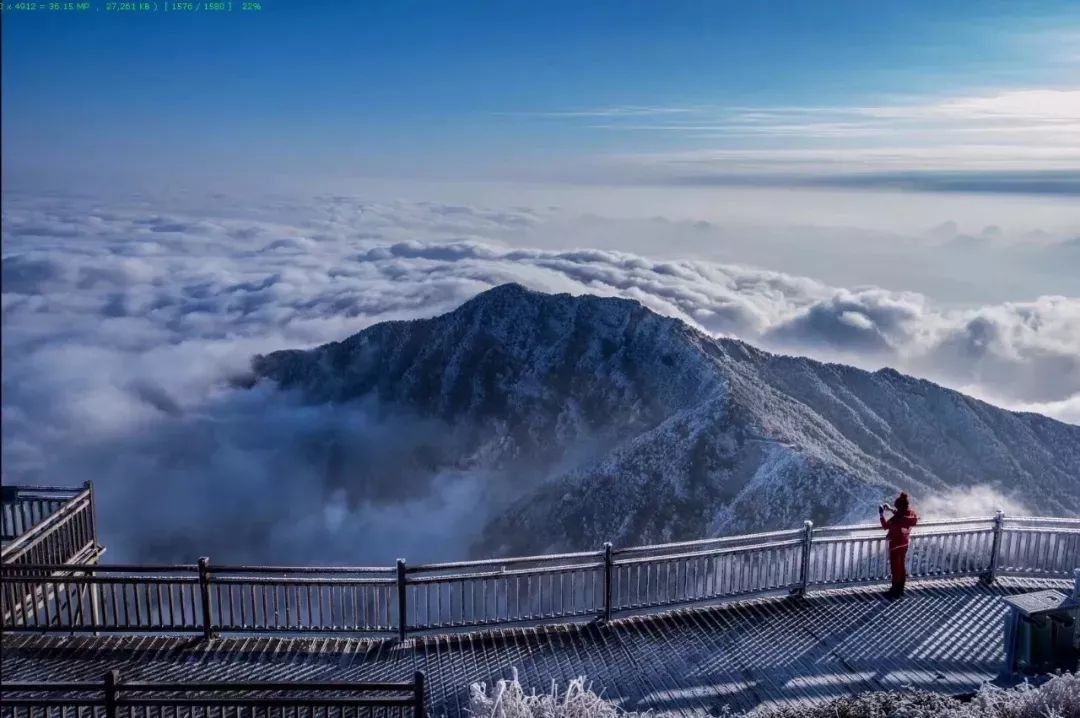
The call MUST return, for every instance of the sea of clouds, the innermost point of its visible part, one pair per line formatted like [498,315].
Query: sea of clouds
[124,321]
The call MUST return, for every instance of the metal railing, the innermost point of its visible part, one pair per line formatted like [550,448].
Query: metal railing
[648,577]
[531,589]
[1047,546]
[403,600]
[283,599]
[23,507]
[49,526]
[113,698]
[842,555]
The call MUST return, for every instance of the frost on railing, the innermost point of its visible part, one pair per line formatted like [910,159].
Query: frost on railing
[709,570]
[517,590]
[859,554]
[1048,546]
[550,589]
[291,599]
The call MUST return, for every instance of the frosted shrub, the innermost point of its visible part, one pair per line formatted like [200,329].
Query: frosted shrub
[509,700]
[1058,697]
[883,704]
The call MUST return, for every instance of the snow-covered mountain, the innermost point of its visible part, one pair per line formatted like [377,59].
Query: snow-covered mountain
[595,419]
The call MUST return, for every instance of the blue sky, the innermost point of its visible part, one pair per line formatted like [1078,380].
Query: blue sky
[615,91]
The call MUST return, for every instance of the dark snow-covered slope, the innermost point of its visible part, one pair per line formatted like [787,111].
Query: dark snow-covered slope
[596,419]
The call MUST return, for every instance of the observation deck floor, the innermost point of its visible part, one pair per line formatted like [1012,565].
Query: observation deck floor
[944,636]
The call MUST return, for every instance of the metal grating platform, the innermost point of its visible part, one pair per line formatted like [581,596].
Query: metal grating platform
[945,635]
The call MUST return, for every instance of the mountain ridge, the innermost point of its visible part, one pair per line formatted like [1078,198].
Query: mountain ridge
[611,422]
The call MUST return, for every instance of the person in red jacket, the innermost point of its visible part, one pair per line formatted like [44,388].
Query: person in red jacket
[899,527]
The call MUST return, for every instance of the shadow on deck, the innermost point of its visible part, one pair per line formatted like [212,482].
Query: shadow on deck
[945,636]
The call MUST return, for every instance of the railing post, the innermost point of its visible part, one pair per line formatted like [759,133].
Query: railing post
[112,681]
[95,589]
[804,570]
[1076,606]
[995,548]
[402,606]
[89,485]
[418,695]
[607,580]
[204,592]
[95,602]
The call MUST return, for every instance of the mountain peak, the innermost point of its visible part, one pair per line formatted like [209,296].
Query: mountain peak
[510,289]
[656,432]
[502,297]
[512,293]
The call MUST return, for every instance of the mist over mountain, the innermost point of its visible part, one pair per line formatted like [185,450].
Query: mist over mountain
[591,419]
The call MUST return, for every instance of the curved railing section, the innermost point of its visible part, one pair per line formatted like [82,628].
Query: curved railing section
[403,600]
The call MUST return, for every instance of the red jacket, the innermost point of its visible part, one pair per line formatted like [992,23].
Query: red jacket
[899,526]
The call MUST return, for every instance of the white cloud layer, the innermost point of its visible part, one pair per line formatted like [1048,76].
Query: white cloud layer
[968,502]
[123,324]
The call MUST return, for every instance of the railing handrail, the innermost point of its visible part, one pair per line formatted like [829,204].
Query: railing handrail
[46,492]
[302,569]
[1047,519]
[1033,530]
[100,568]
[527,571]
[952,532]
[540,558]
[719,540]
[923,523]
[728,550]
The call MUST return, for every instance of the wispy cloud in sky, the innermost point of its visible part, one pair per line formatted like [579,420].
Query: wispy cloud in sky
[1034,131]
[620,111]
